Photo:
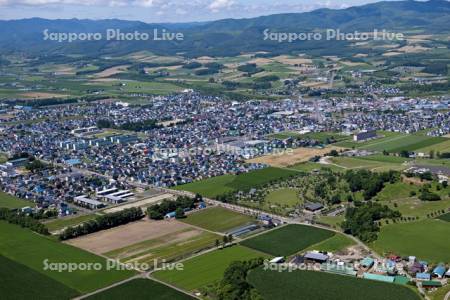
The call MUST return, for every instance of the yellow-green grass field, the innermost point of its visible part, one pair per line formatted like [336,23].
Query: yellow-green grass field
[426,239]
[207,268]
[9,201]
[362,163]
[31,250]
[218,219]
[335,243]
[283,197]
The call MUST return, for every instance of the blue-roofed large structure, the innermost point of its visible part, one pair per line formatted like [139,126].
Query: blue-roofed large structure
[423,276]
[367,262]
[378,277]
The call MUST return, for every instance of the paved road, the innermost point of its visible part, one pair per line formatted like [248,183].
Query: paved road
[447,297]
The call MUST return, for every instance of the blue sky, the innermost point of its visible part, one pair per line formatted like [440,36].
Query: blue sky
[161,10]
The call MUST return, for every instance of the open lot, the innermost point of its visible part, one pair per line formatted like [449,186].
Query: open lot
[140,289]
[62,223]
[9,201]
[427,240]
[31,250]
[140,203]
[122,236]
[292,157]
[218,219]
[20,282]
[324,286]
[288,240]
[206,269]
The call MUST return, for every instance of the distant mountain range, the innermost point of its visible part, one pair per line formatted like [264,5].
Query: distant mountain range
[231,36]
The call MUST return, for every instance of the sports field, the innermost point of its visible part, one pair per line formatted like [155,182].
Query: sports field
[218,219]
[31,250]
[288,240]
[206,269]
[370,164]
[141,289]
[313,285]
[427,240]
[9,201]
[213,187]
[20,282]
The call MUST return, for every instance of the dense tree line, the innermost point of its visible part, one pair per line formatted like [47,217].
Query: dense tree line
[158,211]
[370,183]
[103,222]
[361,221]
[23,220]
[234,284]
[130,126]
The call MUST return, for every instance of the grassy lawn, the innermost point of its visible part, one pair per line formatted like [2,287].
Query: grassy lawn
[333,244]
[324,286]
[62,223]
[396,191]
[283,197]
[427,239]
[141,289]
[288,240]
[213,187]
[8,201]
[414,207]
[441,147]
[206,269]
[20,282]
[332,221]
[30,249]
[310,166]
[370,164]
[218,219]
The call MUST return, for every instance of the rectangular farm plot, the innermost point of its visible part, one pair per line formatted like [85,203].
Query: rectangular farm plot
[218,219]
[288,240]
[129,234]
[206,269]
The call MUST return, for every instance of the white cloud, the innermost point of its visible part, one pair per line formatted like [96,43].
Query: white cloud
[218,5]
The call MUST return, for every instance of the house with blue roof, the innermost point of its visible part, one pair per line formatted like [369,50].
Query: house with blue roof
[439,271]
[423,276]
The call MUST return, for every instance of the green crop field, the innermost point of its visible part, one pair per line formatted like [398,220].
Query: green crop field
[218,219]
[288,240]
[9,201]
[427,239]
[206,269]
[213,187]
[335,243]
[441,147]
[62,223]
[445,217]
[20,282]
[310,285]
[30,249]
[140,289]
